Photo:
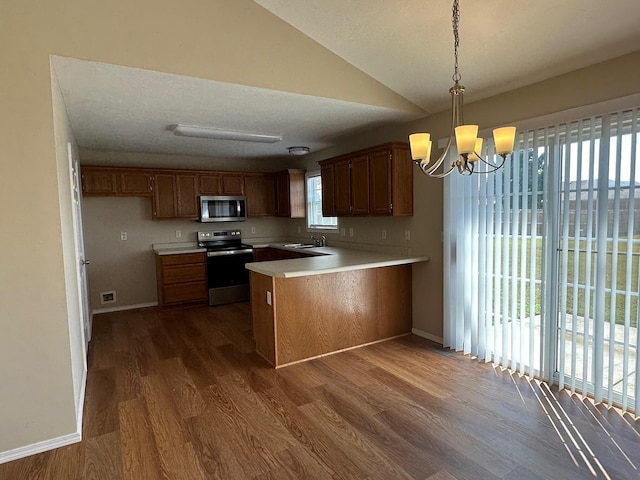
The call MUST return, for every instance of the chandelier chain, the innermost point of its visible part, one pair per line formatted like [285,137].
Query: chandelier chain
[455,22]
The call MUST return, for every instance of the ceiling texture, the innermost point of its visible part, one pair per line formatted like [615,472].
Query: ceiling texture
[406,45]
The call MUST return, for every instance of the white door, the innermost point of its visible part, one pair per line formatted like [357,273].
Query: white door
[74,169]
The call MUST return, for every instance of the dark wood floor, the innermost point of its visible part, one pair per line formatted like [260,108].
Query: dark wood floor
[181,395]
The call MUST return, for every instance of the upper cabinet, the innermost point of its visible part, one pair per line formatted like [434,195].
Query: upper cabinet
[115,181]
[232,184]
[164,196]
[221,183]
[290,194]
[327,177]
[210,184]
[261,194]
[175,193]
[342,187]
[374,181]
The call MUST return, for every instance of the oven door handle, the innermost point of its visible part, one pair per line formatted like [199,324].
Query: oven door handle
[229,252]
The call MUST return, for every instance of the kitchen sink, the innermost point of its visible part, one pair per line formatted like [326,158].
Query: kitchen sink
[299,245]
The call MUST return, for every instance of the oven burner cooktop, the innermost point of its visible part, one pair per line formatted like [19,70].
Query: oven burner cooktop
[221,240]
[227,278]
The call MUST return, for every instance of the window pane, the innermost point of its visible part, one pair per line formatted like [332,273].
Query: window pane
[314,205]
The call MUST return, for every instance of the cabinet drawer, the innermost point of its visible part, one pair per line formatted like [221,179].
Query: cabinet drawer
[185,273]
[185,292]
[183,259]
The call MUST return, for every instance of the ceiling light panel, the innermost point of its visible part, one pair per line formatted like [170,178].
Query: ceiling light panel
[224,134]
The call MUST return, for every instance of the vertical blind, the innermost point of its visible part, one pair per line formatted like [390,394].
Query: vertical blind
[542,258]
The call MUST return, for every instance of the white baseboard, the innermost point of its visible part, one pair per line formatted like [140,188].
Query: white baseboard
[123,307]
[45,445]
[428,336]
[39,447]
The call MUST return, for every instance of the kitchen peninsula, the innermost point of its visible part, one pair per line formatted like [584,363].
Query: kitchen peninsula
[335,300]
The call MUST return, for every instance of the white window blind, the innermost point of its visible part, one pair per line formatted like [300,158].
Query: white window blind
[542,258]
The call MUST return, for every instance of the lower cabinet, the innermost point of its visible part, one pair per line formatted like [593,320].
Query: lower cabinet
[182,278]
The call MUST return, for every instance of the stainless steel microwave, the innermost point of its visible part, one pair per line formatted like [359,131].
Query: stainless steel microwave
[218,208]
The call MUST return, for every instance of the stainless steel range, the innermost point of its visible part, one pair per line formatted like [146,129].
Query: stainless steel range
[227,278]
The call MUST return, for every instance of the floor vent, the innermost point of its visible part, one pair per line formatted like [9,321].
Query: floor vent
[108,297]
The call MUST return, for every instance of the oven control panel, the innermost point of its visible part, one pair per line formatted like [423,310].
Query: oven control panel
[219,235]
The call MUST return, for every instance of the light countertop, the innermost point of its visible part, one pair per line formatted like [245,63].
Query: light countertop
[329,260]
[321,259]
[177,248]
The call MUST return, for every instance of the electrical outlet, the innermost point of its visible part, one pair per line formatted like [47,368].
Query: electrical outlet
[123,235]
[343,232]
[407,234]
[351,231]
[178,233]
[384,234]
[253,229]
[299,229]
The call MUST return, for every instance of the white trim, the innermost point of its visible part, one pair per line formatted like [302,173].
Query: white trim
[39,447]
[428,336]
[80,411]
[316,228]
[46,445]
[123,307]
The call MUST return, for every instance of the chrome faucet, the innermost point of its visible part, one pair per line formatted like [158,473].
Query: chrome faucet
[319,243]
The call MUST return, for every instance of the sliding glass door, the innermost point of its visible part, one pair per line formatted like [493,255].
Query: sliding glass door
[599,258]
[542,258]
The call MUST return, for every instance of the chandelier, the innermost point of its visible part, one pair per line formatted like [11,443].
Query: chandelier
[469,146]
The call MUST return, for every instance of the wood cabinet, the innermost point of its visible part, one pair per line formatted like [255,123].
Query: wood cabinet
[221,183]
[342,187]
[187,196]
[112,181]
[290,194]
[134,183]
[327,178]
[175,196]
[374,181]
[175,193]
[99,181]
[233,184]
[210,184]
[261,194]
[182,278]
[360,185]
[380,177]
[356,307]
[164,196]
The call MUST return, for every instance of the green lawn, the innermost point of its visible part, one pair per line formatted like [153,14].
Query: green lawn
[575,253]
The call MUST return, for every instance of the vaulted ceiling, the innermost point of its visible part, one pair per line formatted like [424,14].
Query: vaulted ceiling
[406,46]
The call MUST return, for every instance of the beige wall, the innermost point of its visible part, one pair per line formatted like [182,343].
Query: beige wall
[203,38]
[609,85]
[206,39]
[128,267]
